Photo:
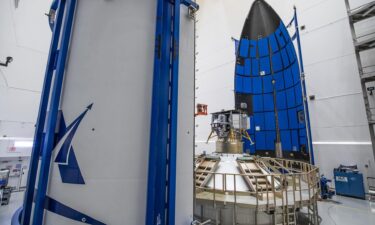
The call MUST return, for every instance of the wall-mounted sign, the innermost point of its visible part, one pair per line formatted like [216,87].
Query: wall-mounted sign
[12,149]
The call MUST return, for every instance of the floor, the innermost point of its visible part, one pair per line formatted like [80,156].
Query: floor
[347,211]
[340,211]
[7,211]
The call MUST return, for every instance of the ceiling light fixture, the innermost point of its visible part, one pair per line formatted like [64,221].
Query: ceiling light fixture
[23,144]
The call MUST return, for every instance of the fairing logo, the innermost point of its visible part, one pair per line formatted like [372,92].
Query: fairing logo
[66,158]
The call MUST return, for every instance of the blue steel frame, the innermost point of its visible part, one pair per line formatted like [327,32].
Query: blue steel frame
[161,189]
[49,139]
[173,117]
[156,193]
[38,137]
[307,114]
[50,95]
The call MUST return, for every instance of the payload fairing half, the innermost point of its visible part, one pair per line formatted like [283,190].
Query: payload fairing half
[268,84]
[92,136]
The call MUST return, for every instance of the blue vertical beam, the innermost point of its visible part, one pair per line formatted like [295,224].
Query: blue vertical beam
[161,191]
[152,162]
[34,160]
[156,189]
[307,114]
[53,112]
[160,209]
[172,167]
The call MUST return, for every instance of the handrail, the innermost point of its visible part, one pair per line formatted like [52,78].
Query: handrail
[300,187]
[262,175]
[286,177]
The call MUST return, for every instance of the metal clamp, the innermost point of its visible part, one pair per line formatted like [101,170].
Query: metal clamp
[192,7]
[52,14]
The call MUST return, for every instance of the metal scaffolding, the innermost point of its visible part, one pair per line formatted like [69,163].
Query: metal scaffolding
[361,44]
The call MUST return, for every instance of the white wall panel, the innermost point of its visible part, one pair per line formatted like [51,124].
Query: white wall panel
[321,13]
[185,139]
[16,129]
[329,42]
[338,75]
[110,64]
[27,70]
[338,111]
[17,105]
[357,133]
[30,24]
[25,35]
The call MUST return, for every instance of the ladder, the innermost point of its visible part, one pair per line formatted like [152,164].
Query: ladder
[198,161]
[254,178]
[204,171]
[162,165]
[313,212]
[287,214]
[361,44]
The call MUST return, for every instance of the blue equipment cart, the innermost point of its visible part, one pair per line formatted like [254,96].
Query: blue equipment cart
[349,182]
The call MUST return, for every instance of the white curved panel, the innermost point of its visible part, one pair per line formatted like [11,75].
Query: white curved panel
[111,65]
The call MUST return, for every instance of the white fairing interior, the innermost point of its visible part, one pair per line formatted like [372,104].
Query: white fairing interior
[111,65]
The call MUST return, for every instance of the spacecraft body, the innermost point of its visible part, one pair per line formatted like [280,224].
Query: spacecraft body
[98,172]
[234,187]
[268,84]
[230,128]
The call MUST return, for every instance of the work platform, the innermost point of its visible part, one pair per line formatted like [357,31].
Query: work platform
[272,190]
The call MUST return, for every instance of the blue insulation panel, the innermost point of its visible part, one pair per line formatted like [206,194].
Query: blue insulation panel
[270,67]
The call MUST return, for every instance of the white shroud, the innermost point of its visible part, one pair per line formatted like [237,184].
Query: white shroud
[110,64]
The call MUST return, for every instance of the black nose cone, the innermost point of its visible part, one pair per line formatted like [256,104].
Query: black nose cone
[261,21]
